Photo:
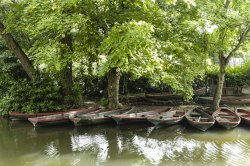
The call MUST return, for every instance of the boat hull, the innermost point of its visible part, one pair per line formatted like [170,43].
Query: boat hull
[23,116]
[50,122]
[200,126]
[58,118]
[124,121]
[86,122]
[162,123]
[226,118]
[138,117]
[98,118]
[244,115]
[199,119]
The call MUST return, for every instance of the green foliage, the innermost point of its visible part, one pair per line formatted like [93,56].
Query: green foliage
[103,101]
[130,47]
[10,69]
[235,76]
[163,42]
[225,23]
[31,97]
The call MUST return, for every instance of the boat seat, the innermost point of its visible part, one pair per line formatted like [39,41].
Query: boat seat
[221,113]
[197,119]
[227,116]
[242,114]
[195,115]
[245,116]
[204,118]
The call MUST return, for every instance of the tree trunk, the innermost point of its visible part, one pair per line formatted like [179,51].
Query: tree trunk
[17,50]
[113,89]
[66,82]
[220,83]
[66,78]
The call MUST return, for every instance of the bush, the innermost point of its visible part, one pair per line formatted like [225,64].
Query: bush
[235,76]
[31,97]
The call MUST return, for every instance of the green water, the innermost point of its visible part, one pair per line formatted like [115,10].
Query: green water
[22,145]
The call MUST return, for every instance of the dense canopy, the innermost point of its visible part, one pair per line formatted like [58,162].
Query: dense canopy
[52,50]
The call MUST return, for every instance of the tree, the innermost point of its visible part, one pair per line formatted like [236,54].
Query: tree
[159,45]
[14,45]
[230,21]
[130,47]
[51,26]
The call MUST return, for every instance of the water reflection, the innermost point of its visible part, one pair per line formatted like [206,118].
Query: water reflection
[236,153]
[51,149]
[21,144]
[94,144]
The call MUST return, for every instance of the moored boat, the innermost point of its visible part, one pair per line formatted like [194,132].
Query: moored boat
[25,116]
[226,118]
[58,118]
[199,119]
[171,117]
[138,117]
[244,115]
[97,118]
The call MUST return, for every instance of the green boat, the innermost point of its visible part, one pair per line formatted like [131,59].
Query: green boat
[171,117]
[199,119]
[138,117]
[97,118]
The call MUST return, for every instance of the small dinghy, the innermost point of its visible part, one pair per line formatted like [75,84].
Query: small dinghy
[244,115]
[199,119]
[25,116]
[98,118]
[138,117]
[59,118]
[226,118]
[171,117]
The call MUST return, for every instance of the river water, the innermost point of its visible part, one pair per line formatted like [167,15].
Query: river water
[23,145]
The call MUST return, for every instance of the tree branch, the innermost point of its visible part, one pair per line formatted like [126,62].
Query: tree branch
[17,50]
[226,4]
[242,38]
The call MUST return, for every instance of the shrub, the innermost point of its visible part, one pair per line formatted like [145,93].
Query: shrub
[235,76]
[31,97]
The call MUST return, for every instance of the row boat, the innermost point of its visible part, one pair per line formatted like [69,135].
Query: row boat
[171,117]
[25,116]
[59,118]
[138,117]
[244,115]
[226,118]
[97,118]
[199,119]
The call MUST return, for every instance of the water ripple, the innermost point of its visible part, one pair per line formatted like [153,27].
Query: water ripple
[95,143]
[235,153]
[51,150]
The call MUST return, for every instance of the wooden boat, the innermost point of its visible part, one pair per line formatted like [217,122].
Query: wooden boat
[171,117]
[244,115]
[138,117]
[199,119]
[25,116]
[226,118]
[59,118]
[97,118]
